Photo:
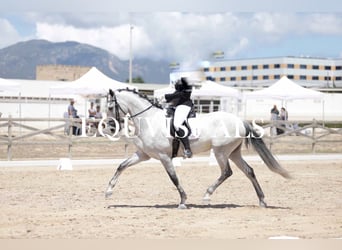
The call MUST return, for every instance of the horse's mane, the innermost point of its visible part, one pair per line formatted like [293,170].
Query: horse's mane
[155,103]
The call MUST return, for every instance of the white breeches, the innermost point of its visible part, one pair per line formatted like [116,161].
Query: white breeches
[181,114]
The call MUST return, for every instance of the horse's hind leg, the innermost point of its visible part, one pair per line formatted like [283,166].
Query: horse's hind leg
[134,159]
[249,172]
[226,171]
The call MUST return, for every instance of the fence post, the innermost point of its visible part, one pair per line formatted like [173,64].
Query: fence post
[313,146]
[71,122]
[9,146]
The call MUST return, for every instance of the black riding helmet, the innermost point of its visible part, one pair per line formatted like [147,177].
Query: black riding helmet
[182,84]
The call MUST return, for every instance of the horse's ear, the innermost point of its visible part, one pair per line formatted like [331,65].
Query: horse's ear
[111,92]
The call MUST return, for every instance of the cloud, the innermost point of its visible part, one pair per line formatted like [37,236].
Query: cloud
[115,39]
[184,37]
[171,35]
[243,43]
[9,34]
[326,24]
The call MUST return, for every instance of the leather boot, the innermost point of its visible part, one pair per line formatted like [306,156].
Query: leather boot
[187,150]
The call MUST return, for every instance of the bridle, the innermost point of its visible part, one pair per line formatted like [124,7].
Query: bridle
[118,108]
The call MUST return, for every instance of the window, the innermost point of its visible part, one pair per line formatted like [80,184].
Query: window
[327,78]
[233,68]
[265,77]
[327,67]
[210,78]
[244,67]
[223,69]
[255,77]
[276,76]
[315,78]
[315,67]
[265,66]
[277,66]
[302,77]
[255,67]
[233,78]
[290,66]
[222,79]
[338,78]
[290,76]
[206,69]
[243,78]
[302,66]
[338,67]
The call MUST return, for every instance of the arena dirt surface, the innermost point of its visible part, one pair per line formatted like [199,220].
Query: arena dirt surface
[41,202]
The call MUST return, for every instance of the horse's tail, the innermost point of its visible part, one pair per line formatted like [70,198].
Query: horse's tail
[253,137]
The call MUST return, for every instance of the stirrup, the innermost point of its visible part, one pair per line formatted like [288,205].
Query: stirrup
[187,153]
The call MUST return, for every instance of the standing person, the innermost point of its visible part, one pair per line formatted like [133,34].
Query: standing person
[274,113]
[98,113]
[91,110]
[181,99]
[72,112]
[274,117]
[284,117]
[283,114]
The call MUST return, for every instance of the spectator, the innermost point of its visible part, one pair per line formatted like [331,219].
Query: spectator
[92,110]
[283,114]
[72,112]
[98,113]
[274,117]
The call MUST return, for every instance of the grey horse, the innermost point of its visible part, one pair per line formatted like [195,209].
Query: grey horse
[222,132]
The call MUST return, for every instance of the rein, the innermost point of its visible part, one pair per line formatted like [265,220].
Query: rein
[118,107]
[141,112]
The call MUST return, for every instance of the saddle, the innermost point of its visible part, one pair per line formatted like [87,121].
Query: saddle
[170,111]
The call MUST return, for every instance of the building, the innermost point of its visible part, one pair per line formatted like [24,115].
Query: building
[60,72]
[262,72]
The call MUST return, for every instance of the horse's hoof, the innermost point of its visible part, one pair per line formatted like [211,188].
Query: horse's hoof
[108,193]
[263,204]
[182,206]
[206,201]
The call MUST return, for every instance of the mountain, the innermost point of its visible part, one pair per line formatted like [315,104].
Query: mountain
[20,61]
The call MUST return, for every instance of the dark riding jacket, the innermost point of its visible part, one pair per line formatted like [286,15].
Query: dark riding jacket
[180,97]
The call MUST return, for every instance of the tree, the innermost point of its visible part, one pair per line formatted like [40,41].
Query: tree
[138,79]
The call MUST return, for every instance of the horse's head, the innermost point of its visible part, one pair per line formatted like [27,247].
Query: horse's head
[131,102]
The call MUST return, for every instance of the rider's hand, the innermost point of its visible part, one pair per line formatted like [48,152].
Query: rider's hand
[162,99]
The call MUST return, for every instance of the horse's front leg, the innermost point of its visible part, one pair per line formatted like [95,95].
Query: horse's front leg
[168,165]
[134,159]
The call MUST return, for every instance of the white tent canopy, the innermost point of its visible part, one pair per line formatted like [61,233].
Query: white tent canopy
[9,86]
[213,89]
[208,89]
[285,90]
[94,82]
[161,92]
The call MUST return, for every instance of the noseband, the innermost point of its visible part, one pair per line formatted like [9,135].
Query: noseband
[118,108]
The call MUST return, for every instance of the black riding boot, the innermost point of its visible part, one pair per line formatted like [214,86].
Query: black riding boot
[187,150]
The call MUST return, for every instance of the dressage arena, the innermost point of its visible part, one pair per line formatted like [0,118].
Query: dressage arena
[42,202]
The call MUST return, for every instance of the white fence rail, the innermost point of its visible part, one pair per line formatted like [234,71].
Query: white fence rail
[58,131]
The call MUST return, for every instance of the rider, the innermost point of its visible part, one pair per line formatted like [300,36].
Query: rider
[181,99]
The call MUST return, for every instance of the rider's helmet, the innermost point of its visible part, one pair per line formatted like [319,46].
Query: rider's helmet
[182,84]
[179,85]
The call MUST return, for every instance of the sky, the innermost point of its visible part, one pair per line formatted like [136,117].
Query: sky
[181,31]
